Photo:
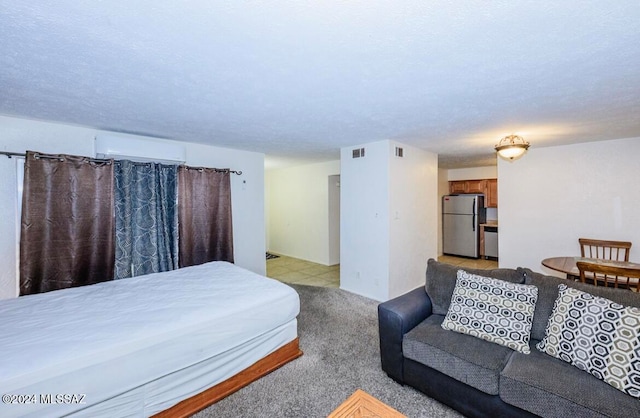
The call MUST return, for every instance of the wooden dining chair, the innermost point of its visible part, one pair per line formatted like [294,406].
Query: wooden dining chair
[611,276]
[606,250]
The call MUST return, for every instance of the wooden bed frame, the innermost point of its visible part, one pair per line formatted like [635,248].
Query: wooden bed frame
[273,361]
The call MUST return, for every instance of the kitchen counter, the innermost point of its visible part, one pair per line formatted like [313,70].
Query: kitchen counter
[489,223]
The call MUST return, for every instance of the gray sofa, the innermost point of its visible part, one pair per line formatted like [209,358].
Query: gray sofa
[483,379]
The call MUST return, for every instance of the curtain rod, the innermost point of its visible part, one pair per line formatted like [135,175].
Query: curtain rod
[23,154]
[38,155]
[13,154]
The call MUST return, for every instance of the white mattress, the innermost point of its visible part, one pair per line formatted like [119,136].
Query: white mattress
[109,341]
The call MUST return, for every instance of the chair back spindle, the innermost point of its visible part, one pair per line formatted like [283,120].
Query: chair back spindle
[605,250]
[608,275]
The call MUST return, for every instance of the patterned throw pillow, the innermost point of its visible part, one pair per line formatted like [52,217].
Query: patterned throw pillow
[492,309]
[596,335]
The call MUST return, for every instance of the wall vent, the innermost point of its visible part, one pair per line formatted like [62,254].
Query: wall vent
[358,153]
[399,152]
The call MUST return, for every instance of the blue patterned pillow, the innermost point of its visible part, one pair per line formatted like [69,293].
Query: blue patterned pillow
[596,335]
[493,310]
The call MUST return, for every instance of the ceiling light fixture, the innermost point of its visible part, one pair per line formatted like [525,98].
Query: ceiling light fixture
[512,147]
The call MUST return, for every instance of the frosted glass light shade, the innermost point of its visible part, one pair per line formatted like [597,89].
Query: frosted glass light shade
[511,147]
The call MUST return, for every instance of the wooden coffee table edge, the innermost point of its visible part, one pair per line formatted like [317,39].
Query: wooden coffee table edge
[361,400]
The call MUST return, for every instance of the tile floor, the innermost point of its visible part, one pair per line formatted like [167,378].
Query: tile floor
[479,263]
[293,270]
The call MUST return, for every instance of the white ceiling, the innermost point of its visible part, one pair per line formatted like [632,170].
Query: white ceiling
[296,79]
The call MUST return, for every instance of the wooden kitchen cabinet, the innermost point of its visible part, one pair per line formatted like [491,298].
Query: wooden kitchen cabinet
[467,186]
[491,193]
[458,187]
[475,186]
[487,187]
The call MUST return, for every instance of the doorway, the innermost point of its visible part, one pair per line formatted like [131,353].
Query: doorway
[334,219]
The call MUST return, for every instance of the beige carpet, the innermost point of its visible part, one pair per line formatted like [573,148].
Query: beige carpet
[339,336]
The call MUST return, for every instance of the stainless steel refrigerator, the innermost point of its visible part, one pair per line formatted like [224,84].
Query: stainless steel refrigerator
[461,217]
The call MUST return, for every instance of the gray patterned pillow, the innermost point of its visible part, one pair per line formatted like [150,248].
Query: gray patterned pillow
[492,309]
[596,335]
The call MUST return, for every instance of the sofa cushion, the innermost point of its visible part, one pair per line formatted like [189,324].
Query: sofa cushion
[493,310]
[596,335]
[465,358]
[550,387]
[441,280]
[548,292]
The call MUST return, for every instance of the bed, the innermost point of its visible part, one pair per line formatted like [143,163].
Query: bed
[166,343]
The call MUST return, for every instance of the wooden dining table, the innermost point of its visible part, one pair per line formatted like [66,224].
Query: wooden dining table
[568,265]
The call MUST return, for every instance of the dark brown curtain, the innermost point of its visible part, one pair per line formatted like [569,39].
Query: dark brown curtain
[204,216]
[67,231]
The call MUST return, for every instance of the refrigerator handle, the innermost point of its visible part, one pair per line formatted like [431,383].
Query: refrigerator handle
[473,218]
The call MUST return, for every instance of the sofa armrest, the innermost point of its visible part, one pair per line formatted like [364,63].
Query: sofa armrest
[396,317]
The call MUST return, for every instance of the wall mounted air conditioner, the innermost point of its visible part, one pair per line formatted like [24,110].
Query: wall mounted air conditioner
[139,149]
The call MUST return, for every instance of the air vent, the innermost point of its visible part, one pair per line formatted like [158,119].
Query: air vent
[358,152]
[399,152]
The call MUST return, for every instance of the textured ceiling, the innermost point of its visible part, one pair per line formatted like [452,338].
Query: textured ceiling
[302,79]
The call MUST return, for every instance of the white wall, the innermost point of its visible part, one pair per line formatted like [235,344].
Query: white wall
[364,221]
[552,196]
[18,135]
[388,219]
[443,190]
[298,211]
[473,173]
[413,237]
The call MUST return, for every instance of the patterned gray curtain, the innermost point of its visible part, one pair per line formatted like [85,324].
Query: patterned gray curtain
[146,218]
